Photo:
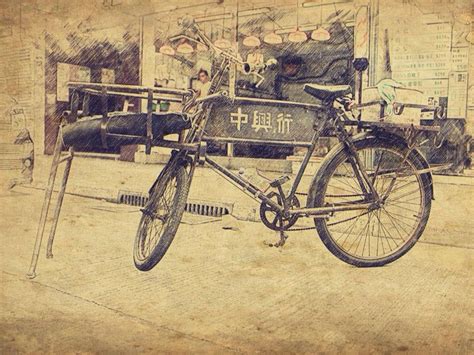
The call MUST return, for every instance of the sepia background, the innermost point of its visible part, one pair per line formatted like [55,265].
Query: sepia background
[220,289]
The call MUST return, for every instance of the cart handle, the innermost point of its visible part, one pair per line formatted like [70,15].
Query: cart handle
[128,88]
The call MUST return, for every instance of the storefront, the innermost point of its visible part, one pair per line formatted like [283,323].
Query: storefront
[423,45]
[98,57]
[309,42]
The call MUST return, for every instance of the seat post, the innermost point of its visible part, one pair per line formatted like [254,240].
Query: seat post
[360,65]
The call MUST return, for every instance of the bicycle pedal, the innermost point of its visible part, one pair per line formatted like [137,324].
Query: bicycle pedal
[279,181]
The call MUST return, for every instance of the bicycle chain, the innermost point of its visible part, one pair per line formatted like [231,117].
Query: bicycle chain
[298,229]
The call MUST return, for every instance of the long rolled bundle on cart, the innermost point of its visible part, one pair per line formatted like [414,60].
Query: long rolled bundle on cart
[121,128]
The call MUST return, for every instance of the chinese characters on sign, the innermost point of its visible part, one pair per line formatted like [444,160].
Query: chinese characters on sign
[239,118]
[284,121]
[262,121]
[271,120]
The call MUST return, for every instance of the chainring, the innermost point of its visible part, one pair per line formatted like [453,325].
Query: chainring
[274,219]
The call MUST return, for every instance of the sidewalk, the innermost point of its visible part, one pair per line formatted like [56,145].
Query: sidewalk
[220,290]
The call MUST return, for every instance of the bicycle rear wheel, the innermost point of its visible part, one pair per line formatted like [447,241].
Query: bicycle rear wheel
[161,216]
[373,237]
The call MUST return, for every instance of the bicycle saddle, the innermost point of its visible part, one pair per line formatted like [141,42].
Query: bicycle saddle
[327,92]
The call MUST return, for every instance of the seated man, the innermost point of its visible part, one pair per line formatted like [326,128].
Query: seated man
[291,68]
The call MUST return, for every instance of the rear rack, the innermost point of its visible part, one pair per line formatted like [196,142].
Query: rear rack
[391,125]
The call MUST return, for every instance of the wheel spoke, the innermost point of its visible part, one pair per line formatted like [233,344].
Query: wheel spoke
[397,220]
[348,219]
[385,232]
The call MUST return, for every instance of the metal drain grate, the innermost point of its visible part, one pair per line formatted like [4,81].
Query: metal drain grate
[203,208]
[206,208]
[132,198]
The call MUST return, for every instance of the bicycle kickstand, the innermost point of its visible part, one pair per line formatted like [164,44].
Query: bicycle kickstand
[282,241]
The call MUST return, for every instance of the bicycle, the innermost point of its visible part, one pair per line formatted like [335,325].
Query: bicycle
[370,199]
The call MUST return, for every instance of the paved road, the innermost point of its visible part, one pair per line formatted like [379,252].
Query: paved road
[221,290]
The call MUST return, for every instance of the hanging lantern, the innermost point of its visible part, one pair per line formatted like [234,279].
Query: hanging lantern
[251,41]
[222,43]
[297,36]
[185,48]
[273,38]
[166,49]
[320,34]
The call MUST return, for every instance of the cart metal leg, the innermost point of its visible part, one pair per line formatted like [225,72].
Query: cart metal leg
[57,211]
[45,209]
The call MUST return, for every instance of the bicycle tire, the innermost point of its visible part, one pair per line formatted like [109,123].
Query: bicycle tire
[173,171]
[318,191]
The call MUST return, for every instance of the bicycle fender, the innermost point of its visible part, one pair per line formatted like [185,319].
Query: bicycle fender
[400,140]
[391,137]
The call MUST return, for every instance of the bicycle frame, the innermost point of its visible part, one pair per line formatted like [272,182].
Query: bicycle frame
[259,195]
[195,138]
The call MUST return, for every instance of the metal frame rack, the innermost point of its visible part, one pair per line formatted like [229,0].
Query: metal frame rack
[102,90]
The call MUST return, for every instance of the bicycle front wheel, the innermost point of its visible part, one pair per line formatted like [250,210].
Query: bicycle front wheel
[161,216]
[373,237]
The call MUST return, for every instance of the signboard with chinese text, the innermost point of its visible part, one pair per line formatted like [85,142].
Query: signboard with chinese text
[263,121]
